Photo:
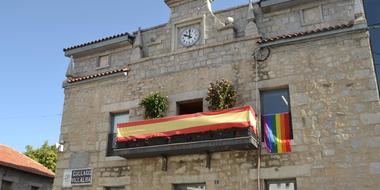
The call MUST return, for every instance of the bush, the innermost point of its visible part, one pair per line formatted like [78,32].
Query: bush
[221,95]
[155,105]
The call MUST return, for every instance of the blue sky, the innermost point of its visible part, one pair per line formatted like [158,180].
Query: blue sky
[32,36]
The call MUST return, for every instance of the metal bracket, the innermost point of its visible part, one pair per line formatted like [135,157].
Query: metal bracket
[208,161]
[164,163]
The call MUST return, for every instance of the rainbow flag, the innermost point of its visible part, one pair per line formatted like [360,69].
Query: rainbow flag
[277,133]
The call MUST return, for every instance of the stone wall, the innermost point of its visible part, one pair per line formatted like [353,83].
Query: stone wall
[157,40]
[308,16]
[334,103]
[24,181]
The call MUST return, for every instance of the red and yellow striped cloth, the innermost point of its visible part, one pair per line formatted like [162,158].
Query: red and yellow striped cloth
[242,117]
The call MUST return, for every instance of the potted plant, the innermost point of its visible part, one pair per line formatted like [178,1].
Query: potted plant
[155,105]
[221,95]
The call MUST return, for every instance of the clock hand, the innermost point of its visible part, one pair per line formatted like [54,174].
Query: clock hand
[189,33]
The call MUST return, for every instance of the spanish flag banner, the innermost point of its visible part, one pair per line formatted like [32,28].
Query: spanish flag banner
[277,133]
[242,117]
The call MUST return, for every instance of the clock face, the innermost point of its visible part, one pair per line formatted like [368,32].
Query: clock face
[189,36]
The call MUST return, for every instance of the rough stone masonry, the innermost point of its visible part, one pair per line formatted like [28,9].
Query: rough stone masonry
[319,50]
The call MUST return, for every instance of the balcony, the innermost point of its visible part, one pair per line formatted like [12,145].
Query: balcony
[233,129]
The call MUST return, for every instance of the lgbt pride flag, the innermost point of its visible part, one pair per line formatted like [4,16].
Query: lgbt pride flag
[242,117]
[277,132]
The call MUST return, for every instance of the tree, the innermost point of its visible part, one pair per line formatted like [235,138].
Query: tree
[45,155]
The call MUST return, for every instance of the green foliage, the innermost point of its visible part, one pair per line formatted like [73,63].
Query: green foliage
[45,155]
[155,105]
[221,95]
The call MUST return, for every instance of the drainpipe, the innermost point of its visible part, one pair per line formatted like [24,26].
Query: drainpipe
[254,7]
[258,115]
[260,54]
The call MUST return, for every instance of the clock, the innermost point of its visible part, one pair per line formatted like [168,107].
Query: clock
[189,36]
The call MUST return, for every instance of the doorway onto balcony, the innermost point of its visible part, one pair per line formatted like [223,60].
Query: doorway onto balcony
[189,106]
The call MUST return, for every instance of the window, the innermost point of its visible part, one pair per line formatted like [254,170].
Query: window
[193,186]
[104,61]
[375,44]
[34,188]
[275,102]
[371,8]
[6,185]
[190,106]
[116,119]
[119,118]
[287,184]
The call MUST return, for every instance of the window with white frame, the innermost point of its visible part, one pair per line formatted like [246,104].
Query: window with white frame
[283,184]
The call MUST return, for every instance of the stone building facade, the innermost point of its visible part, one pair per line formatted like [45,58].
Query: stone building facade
[318,51]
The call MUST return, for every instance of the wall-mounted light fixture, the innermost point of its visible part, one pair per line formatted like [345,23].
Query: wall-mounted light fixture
[59,146]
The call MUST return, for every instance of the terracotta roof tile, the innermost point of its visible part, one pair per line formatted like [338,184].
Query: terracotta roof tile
[304,33]
[97,75]
[13,159]
[100,40]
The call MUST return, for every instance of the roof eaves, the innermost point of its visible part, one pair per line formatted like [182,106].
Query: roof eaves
[97,75]
[27,169]
[305,33]
[101,42]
